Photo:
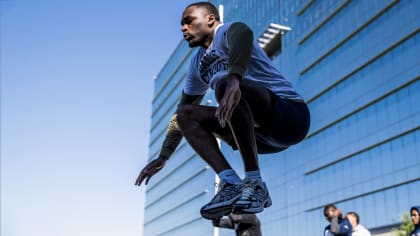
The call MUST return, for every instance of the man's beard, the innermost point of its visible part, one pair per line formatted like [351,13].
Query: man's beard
[195,43]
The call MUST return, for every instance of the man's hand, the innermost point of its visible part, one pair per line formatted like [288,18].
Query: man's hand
[149,170]
[230,100]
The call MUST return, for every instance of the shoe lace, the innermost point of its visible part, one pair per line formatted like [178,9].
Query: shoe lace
[247,192]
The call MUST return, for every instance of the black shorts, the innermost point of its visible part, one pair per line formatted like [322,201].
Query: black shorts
[289,125]
[280,122]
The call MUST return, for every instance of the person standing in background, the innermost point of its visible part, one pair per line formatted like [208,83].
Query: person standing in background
[358,229]
[415,218]
[339,226]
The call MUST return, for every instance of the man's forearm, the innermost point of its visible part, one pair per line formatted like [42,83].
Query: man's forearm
[172,139]
[335,227]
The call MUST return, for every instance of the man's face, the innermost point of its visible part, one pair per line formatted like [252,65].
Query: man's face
[195,24]
[331,213]
[415,217]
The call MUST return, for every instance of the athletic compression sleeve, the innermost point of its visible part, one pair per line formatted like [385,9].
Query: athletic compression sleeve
[173,133]
[240,39]
[172,139]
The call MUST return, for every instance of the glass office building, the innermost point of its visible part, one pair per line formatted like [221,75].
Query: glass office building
[357,63]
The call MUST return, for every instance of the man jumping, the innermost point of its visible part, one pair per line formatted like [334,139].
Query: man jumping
[259,111]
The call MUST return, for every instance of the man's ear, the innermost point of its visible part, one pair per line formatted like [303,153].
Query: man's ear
[211,19]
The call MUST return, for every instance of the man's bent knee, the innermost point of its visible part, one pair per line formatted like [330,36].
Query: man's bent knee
[184,115]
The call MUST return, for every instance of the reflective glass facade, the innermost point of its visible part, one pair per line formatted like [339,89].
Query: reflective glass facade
[357,64]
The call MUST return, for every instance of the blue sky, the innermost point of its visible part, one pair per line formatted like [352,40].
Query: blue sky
[76,92]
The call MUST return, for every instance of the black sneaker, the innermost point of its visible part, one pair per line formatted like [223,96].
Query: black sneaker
[222,202]
[254,198]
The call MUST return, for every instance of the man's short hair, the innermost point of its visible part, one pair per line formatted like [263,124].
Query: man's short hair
[355,215]
[328,207]
[211,9]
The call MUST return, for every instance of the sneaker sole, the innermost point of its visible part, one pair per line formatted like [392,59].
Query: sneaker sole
[216,213]
[219,209]
[243,208]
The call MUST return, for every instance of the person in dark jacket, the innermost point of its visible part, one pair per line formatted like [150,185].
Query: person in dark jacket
[415,218]
[339,226]
[244,224]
